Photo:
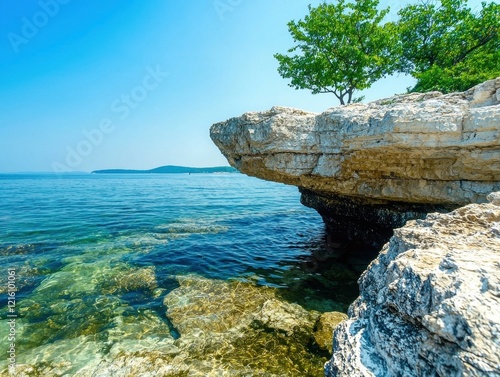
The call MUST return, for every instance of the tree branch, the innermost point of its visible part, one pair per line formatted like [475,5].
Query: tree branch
[480,43]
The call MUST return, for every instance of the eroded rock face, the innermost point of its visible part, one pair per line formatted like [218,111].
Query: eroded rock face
[356,219]
[416,148]
[430,303]
[396,158]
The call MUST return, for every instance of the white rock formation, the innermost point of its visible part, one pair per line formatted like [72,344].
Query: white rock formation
[417,148]
[430,303]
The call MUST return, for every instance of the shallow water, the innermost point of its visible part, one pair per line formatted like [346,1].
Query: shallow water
[95,255]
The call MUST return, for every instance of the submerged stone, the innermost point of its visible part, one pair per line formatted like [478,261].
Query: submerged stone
[226,328]
[323,329]
[289,319]
[236,328]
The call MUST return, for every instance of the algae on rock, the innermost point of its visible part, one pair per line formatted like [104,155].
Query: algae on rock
[241,328]
[324,327]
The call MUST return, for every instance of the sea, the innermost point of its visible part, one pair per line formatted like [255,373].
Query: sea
[83,253]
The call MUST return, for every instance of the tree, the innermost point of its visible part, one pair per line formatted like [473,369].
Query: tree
[448,47]
[340,48]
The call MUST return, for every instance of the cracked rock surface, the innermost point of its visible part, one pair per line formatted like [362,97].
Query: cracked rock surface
[429,305]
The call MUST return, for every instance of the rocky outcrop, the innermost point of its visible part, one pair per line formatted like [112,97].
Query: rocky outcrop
[430,303]
[368,168]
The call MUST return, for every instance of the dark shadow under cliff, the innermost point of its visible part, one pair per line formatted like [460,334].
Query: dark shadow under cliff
[371,223]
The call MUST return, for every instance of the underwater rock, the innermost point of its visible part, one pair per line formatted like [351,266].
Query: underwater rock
[131,280]
[97,322]
[79,300]
[430,303]
[65,357]
[74,316]
[323,329]
[27,277]
[84,357]
[212,328]
[236,328]
[280,316]
[207,305]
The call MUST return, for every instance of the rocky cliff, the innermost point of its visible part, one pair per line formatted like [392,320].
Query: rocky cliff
[430,303]
[368,168]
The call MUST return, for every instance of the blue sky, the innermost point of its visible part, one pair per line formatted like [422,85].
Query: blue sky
[96,84]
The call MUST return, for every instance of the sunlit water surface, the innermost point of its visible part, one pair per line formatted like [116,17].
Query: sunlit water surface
[92,250]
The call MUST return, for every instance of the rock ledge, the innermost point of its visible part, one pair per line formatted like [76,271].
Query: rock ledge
[368,168]
[415,148]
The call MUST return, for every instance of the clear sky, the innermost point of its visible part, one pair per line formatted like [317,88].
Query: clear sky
[96,84]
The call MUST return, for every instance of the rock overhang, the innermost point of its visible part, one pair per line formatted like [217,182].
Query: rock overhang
[417,148]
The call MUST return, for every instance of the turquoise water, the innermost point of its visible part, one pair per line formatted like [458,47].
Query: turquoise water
[91,251]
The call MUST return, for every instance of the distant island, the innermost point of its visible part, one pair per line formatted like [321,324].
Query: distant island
[169,169]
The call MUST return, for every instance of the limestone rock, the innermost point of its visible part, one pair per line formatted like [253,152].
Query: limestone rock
[494,198]
[281,316]
[429,305]
[224,328]
[213,306]
[368,168]
[416,148]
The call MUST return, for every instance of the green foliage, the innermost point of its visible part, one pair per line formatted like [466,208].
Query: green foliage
[461,76]
[340,48]
[448,47]
[345,47]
